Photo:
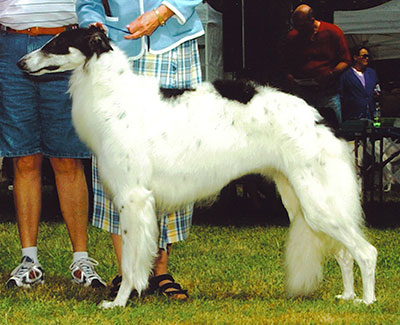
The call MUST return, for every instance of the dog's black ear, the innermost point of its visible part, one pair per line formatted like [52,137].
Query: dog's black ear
[98,42]
[94,29]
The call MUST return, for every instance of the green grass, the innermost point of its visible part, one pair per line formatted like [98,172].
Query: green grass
[234,276]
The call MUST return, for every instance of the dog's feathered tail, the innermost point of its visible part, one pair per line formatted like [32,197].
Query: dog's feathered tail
[303,258]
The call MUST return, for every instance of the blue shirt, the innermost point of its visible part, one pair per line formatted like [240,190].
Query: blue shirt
[183,26]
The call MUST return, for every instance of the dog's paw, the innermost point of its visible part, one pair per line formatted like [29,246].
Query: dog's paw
[109,304]
[364,301]
[346,296]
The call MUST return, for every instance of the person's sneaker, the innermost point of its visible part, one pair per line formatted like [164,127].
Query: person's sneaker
[26,274]
[83,273]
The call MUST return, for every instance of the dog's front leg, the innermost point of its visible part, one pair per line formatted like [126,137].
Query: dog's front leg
[139,232]
[127,284]
[122,296]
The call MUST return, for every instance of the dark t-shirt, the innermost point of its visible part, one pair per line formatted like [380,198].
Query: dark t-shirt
[307,58]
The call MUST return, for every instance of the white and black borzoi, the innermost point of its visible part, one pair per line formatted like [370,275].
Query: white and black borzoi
[161,152]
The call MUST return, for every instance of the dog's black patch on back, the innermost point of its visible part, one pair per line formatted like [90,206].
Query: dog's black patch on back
[168,93]
[89,41]
[240,90]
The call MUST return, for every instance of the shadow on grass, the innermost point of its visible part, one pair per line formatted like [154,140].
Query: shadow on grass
[55,287]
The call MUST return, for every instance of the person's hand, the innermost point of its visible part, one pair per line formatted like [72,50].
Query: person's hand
[144,25]
[99,25]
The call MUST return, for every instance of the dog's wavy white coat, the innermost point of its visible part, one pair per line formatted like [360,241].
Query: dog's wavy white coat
[154,152]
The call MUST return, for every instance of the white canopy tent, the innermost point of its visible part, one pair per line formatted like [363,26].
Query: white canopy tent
[377,27]
[210,45]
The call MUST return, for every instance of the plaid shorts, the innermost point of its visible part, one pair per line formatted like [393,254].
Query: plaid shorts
[178,68]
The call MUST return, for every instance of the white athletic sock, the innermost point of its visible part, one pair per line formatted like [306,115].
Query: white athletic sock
[79,255]
[31,252]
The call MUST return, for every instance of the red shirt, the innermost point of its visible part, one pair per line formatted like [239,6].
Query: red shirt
[307,58]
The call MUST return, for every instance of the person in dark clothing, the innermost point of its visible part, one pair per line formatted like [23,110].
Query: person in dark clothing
[359,87]
[315,55]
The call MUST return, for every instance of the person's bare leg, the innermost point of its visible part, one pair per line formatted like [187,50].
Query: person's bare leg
[73,196]
[28,197]
[161,263]
[117,243]
[161,267]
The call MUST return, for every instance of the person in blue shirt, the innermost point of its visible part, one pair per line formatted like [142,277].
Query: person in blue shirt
[160,39]
[359,87]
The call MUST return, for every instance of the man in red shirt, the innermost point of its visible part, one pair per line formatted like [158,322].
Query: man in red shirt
[316,54]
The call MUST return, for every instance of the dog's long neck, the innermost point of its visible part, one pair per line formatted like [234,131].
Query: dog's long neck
[102,89]
[108,67]
[111,72]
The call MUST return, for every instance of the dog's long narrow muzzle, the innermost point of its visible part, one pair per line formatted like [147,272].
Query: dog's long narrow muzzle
[24,67]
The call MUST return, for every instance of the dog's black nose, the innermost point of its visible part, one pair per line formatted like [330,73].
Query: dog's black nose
[21,64]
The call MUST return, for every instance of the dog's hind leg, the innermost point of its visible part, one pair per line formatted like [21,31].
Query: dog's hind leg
[303,253]
[365,255]
[139,231]
[334,209]
[346,261]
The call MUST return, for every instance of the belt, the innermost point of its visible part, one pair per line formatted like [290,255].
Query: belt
[35,31]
